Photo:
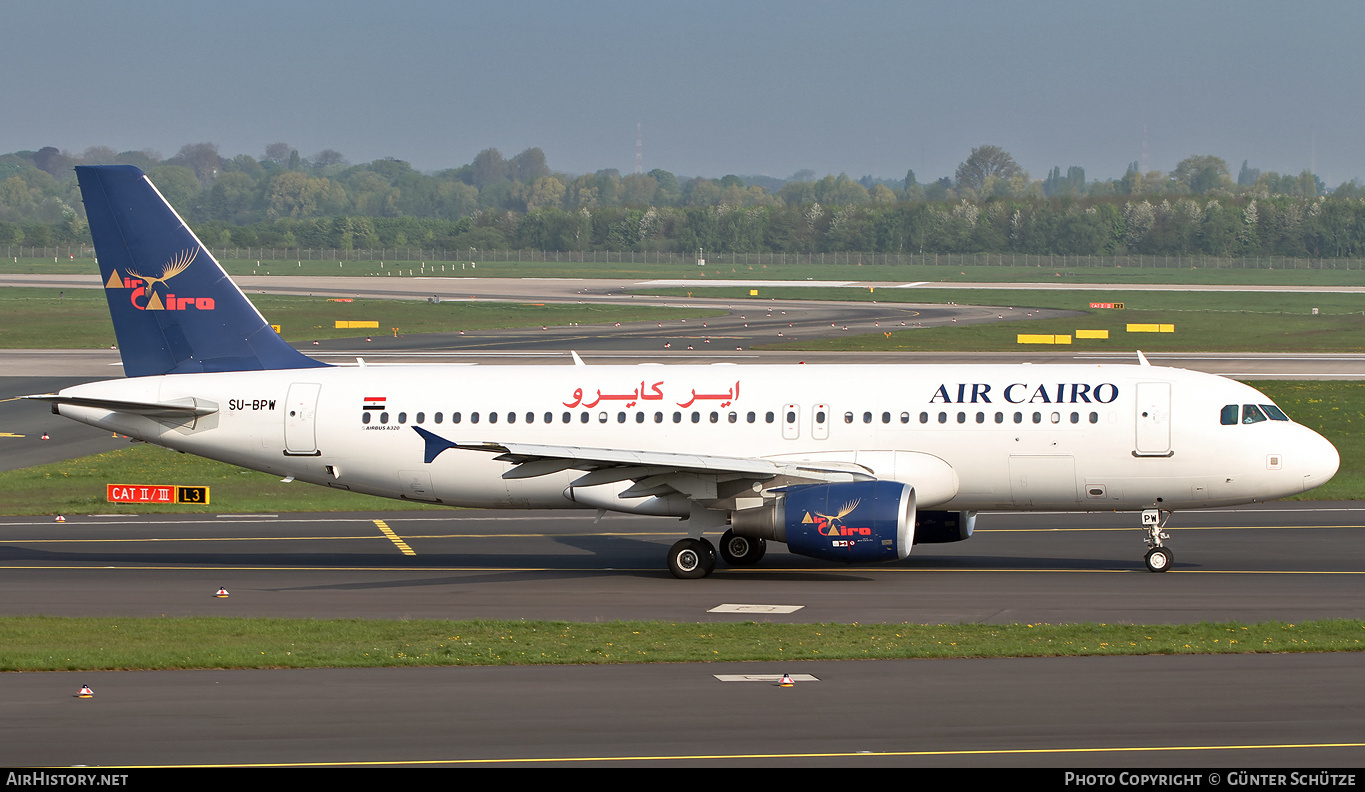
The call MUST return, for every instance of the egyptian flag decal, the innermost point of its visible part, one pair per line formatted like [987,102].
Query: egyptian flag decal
[375,402]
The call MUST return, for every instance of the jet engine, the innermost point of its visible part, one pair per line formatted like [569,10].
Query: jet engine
[856,522]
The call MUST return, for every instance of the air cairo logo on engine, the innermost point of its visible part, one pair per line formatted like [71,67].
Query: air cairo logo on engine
[829,524]
[144,296]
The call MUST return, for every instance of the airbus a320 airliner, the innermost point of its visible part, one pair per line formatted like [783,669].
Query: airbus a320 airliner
[850,463]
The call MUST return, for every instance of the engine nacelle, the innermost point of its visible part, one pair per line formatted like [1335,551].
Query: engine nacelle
[856,522]
[936,527]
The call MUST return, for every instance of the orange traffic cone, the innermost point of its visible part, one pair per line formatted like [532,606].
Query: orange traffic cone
[786,681]
[86,692]
[60,518]
[44,435]
[222,593]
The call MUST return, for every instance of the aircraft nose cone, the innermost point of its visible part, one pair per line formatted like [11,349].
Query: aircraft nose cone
[1321,461]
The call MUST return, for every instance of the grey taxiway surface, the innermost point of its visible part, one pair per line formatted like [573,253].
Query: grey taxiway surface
[1284,561]
[1287,561]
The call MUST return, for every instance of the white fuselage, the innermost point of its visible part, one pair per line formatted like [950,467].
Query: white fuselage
[967,437]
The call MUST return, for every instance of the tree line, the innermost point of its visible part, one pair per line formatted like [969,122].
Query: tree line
[989,205]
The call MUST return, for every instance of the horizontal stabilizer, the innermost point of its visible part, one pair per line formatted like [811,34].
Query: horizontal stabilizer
[183,407]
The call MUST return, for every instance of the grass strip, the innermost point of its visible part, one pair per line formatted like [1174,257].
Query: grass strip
[45,643]
[77,486]
[1204,321]
[79,318]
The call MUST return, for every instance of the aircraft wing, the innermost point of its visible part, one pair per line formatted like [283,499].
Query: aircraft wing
[705,478]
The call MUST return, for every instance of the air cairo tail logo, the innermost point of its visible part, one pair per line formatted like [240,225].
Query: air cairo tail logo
[830,524]
[144,296]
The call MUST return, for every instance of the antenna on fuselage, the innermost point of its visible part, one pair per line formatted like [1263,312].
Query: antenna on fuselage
[1142,359]
[577,361]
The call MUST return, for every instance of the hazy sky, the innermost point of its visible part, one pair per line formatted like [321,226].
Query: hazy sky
[718,87]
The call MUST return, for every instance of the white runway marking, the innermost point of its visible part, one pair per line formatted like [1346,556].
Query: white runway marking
[756,609]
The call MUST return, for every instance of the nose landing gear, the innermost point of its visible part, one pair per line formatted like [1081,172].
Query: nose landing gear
[1159,558]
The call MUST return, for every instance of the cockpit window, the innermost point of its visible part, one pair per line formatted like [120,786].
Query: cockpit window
[1252,414]
[1228,417]
[1275,413]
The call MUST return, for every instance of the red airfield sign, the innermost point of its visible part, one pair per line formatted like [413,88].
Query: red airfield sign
[155,493]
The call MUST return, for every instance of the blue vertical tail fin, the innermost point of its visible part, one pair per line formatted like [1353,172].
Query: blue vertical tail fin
[175,310]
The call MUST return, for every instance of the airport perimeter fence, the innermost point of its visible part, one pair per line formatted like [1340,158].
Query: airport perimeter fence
[746,260]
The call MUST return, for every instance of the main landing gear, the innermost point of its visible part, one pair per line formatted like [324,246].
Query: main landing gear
[1159,558]
[691,558]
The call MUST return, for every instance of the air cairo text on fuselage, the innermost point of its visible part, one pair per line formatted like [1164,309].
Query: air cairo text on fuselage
[1024,393]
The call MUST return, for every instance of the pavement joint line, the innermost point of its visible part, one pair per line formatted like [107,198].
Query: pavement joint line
[635,570]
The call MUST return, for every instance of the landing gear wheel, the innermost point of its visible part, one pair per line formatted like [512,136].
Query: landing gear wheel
[742,550]
[1159,559]
[689,559]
